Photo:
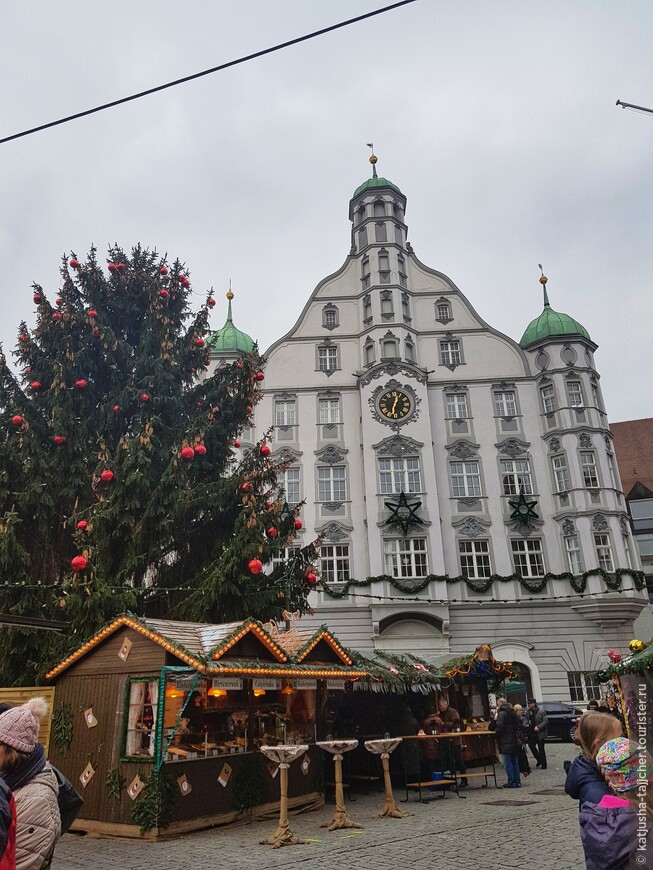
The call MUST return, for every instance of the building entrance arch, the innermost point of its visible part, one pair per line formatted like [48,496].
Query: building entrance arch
[519,652]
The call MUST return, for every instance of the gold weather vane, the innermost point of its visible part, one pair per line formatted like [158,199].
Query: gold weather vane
[373,158]
[543,281]
[230,295]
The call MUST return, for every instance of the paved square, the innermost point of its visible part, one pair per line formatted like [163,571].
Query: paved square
[489,830]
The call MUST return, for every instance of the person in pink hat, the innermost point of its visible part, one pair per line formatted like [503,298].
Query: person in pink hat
[24,769]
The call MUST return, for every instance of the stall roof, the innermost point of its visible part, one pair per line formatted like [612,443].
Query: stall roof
[203,646]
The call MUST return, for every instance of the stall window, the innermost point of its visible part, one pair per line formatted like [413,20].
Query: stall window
[141,716]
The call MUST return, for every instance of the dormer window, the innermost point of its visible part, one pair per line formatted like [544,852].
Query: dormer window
[330,316]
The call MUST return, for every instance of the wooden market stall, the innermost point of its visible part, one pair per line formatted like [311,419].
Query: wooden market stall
[161,721]
[629,689]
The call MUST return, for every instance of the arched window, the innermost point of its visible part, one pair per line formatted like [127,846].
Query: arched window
[330,316]
[368,352]
[442,311]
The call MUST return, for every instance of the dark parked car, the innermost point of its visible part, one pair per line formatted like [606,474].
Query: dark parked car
[562,719]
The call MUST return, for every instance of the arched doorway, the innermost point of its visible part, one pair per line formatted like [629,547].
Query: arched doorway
[518,651]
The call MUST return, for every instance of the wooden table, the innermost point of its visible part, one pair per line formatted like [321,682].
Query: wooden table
[488,772]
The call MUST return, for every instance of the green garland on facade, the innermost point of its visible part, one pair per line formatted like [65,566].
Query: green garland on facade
[534,585]
[115,783]
[62,728]
[155,806]
[249,784]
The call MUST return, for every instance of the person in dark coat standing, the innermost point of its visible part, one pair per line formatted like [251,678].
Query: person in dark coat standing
[538,731]
[506,728]
[524,766]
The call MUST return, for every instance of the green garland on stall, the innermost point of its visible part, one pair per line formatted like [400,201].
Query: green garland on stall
[249,783]
[62,728]
[155,806]
[533,585]
[115,783]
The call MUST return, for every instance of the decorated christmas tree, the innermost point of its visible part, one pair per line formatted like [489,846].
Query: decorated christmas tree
[120,485]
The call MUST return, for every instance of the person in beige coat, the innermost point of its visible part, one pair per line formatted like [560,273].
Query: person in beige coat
[24,768]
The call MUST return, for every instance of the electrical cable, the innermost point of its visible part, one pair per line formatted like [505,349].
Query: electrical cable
[206,72]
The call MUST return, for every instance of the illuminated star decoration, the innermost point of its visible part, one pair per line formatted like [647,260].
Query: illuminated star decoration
[523,511]
[403,514]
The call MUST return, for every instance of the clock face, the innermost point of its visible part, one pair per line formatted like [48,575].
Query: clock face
[395,405]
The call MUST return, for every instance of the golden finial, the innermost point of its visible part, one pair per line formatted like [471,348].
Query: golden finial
[543,278]
[230,295]
[373,158]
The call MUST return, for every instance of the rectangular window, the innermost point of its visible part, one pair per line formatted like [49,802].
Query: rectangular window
[330,317]
[528,558]
[516,477]
[331,483]
[548,399]
[284,413]
[450,353]
[465,479]
[327,358]
[614,477]
[285,555]
[561,473]
[334,563]
[626,543]
[474,559]
[604,552]
[405,557]
[596,398]
[367,306]
[588,469]
[584,686]
[400,474]
[575,394]
[141,718]
[405,309]
[456,406]
[442,311]
[574,554]
[288,480]
[504,403]
[386,305]
[329,411]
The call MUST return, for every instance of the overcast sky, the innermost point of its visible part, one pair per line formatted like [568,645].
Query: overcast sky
[497,120]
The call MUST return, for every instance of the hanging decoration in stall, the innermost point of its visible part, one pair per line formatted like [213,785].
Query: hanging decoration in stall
[87,775]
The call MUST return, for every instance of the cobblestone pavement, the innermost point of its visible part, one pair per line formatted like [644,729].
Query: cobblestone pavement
[539,830]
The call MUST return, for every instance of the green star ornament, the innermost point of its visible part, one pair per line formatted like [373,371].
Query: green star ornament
[403,513]
[523,511]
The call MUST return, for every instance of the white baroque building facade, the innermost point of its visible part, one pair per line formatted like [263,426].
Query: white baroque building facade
[450,471]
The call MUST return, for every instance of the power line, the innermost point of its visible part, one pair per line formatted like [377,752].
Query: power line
[207,72]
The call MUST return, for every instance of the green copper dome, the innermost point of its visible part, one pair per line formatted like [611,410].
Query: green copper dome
[229,338]
[551,324]
[374,181]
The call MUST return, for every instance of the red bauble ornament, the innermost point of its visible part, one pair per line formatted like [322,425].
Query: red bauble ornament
[184,281]
[120,266]
[163,270]
[271,532]
[79,563]
[236,444]
[92,312]
[145,397]
[112,267]
[298,524]
[247,487]
[210,302]
[164,294]
[57,315]
[311,579]
[23,337]
[96,333]
[37,298]
[187,453]
[107,476]
[59,440]
[74,264]
[82,525]
[58,301]
[265,450]
[116,408]
[255,566]
[259,376]
[36,386]
[81,384]
[200,450]
[250,410]
[199,342]
[17,420]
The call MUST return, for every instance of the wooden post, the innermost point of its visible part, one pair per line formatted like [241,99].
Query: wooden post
[283,836]
[390,808]
[340,819]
